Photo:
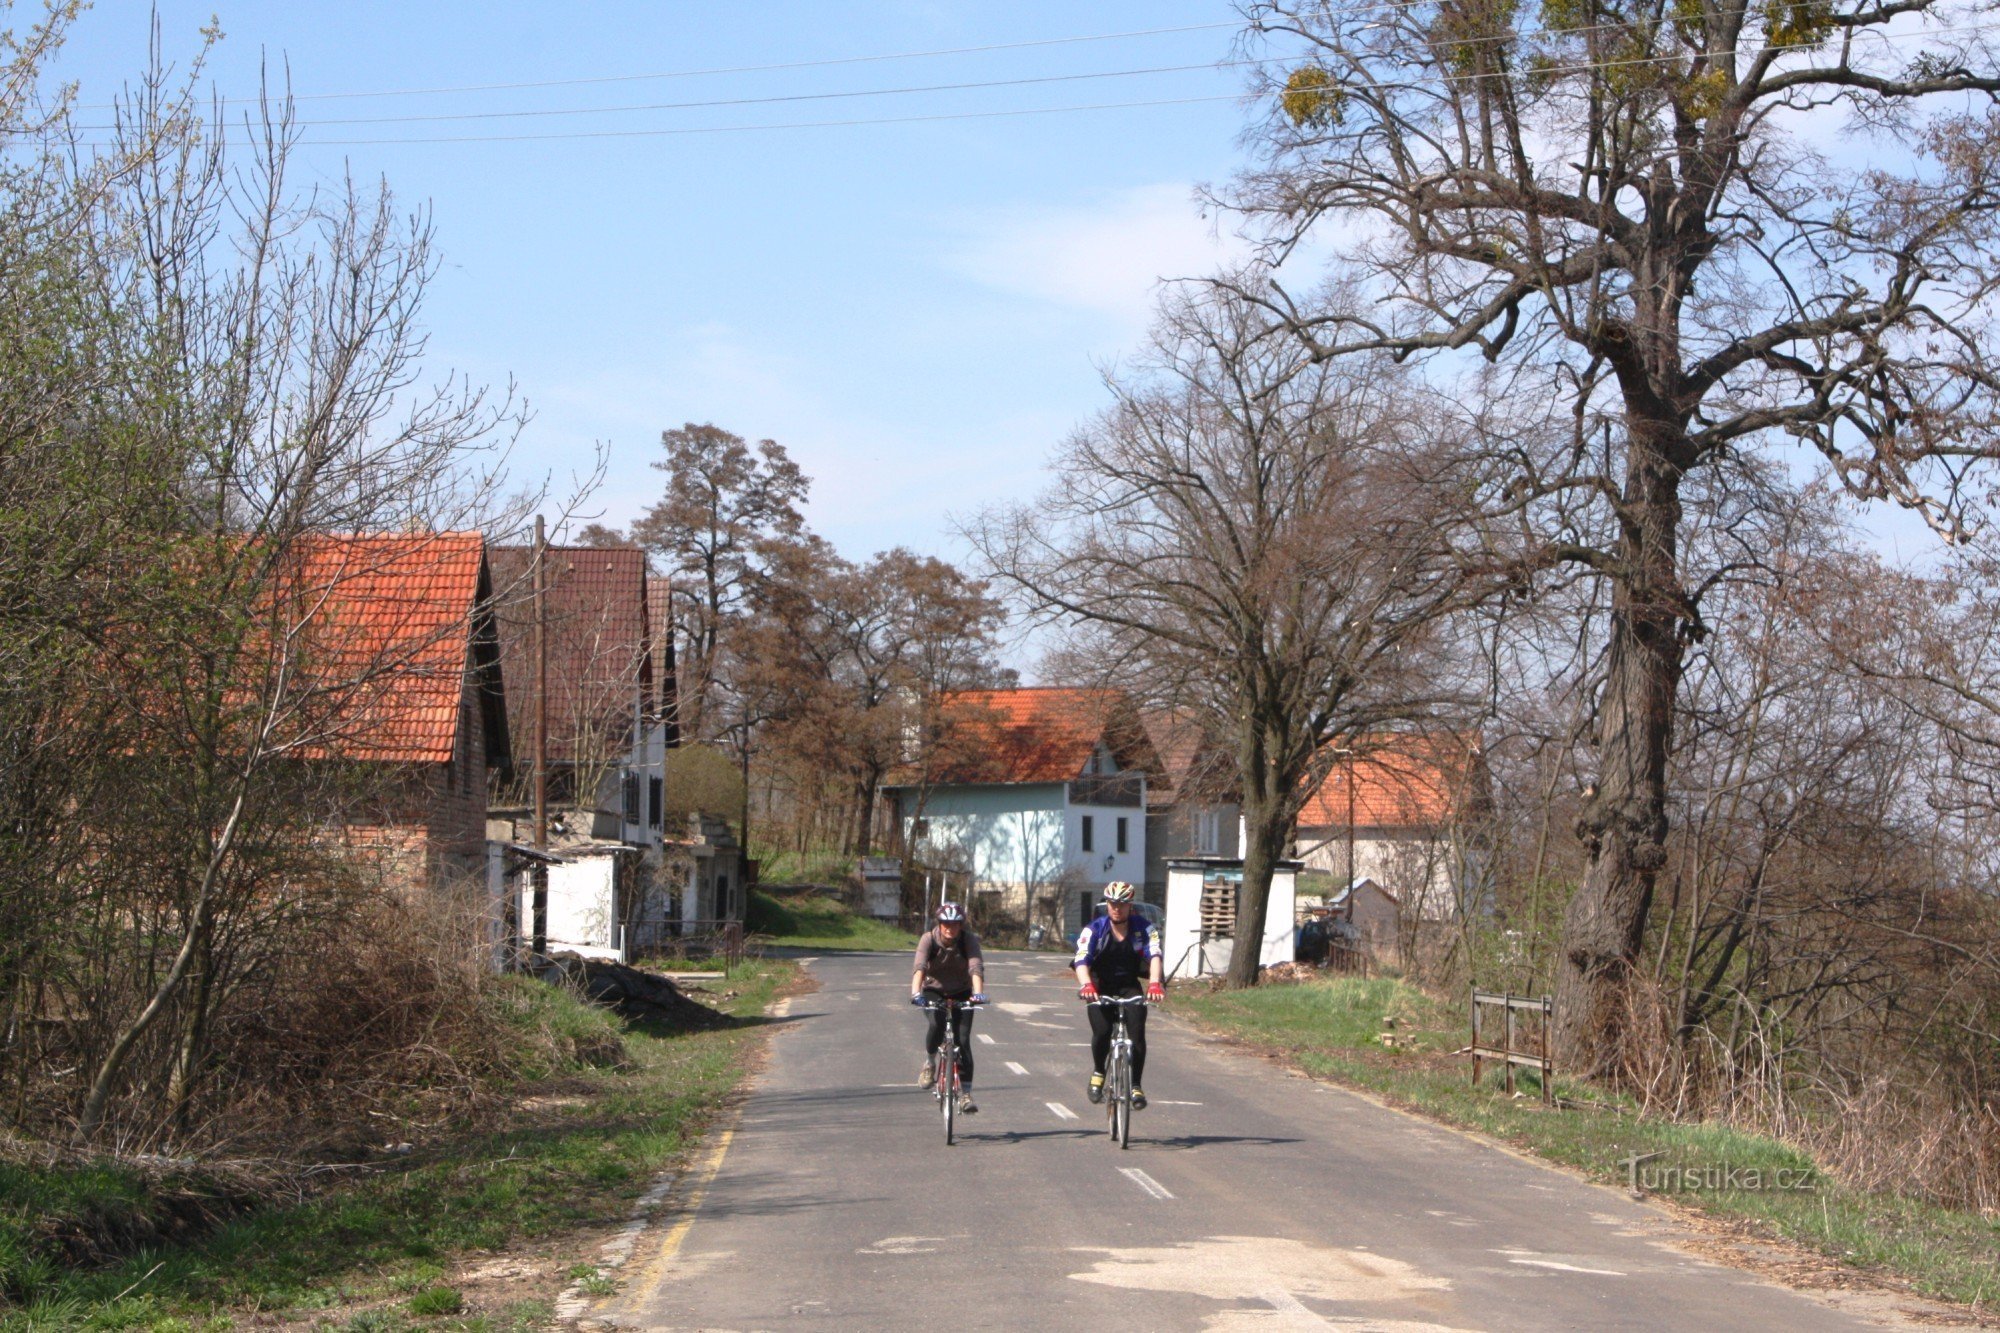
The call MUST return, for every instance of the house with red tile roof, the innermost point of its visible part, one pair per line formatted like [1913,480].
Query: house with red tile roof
[1039,802]
[638,872]
[1409,800]
[602,683]
[1193,810]
[391,638]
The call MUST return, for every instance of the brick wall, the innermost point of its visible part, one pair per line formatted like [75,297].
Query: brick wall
[428,825]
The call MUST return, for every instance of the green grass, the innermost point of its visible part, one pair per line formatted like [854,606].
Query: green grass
[1333,1030]
[390,1235]
[813,867]
[814,921]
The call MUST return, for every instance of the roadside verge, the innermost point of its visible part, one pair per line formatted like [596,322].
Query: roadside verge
[472,1230]
[1391,1041]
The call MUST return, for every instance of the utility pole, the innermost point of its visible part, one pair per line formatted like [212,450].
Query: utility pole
[541,871]
[1350,831]
[1346,752]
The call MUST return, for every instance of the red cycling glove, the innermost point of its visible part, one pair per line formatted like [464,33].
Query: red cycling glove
[1155,992]
[1088,992]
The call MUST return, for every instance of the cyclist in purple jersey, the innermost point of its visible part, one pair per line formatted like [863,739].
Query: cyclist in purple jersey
[1113,954]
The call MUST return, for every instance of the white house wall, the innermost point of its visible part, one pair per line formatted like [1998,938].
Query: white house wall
[1009,835]
[1414,865]
[1105,863]
[582,906]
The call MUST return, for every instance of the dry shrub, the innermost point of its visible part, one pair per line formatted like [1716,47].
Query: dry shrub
[1914,1141]
[380,1023]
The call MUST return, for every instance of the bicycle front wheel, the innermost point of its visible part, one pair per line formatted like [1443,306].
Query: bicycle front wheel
[948,1081]
[1122,1127]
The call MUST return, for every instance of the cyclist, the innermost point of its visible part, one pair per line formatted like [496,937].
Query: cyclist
[949,967]
[1112,953]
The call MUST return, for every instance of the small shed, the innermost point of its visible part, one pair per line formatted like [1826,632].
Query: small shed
[882,887]
[1374,913]
[1203,895]
[591,891]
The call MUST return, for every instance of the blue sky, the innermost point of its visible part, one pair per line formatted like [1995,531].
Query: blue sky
[916,311]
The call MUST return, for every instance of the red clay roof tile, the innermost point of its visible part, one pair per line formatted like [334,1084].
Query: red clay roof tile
[385,623]
[1400,780]
[1043,735]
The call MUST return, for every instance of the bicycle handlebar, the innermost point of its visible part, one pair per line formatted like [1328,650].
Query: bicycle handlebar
[946,1002]
[1119,1000]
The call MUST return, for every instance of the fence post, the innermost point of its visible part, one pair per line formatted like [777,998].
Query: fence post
[1548,1055]
[1475,1034]
[1508,1039]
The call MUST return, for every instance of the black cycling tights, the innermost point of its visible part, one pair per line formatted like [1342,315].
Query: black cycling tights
[1100,1038]
[935,1038]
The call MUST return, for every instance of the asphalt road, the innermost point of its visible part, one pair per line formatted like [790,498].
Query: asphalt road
[1249,1199]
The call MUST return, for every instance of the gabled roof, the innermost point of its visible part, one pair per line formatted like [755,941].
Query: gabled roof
[387,625]
[599,644]
[1400,780]
[660,631]
[1193,766]
[1042,735]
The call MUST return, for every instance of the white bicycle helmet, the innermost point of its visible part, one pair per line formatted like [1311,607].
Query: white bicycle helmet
[1118,891]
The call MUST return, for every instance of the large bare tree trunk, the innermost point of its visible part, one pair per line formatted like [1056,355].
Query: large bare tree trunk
[1624,822]
[1266,828]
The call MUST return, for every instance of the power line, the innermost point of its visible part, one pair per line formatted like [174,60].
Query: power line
[789,125]
[765,101]
[745,69]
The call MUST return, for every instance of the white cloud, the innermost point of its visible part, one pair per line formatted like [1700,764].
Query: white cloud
[1105,257]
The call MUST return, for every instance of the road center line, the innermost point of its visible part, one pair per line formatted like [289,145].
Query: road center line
[1145,1182]
[1062,1111]
[1016,1068]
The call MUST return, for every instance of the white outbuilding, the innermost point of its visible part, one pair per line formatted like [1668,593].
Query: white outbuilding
[1203,897]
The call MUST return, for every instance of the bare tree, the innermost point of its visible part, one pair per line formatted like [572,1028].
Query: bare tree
[724,502]
[1626,206]
[275,332]
[1259,535]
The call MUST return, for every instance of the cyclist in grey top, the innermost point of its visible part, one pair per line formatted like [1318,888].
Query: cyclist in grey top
[949,967]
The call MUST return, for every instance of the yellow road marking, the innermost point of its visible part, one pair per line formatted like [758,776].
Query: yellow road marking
[698,1181]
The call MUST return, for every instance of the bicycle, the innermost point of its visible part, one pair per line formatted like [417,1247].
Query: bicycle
[1118,1070]
[944,1068]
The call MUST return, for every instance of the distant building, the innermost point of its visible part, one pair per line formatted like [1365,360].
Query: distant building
[395,640]
[602,690]
[1193,809]
[1044,805]
[611,728]
[1415,801]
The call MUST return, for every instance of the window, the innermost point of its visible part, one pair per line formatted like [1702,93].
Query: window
[1208,831]
[631,798]
[655,802]
[1088,822]
[1121,833]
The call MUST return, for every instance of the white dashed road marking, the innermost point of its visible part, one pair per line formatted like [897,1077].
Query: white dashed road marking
[1061,1110]
[1016,1068]
[983,1037]
[1145,1182]
[1566,1268]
